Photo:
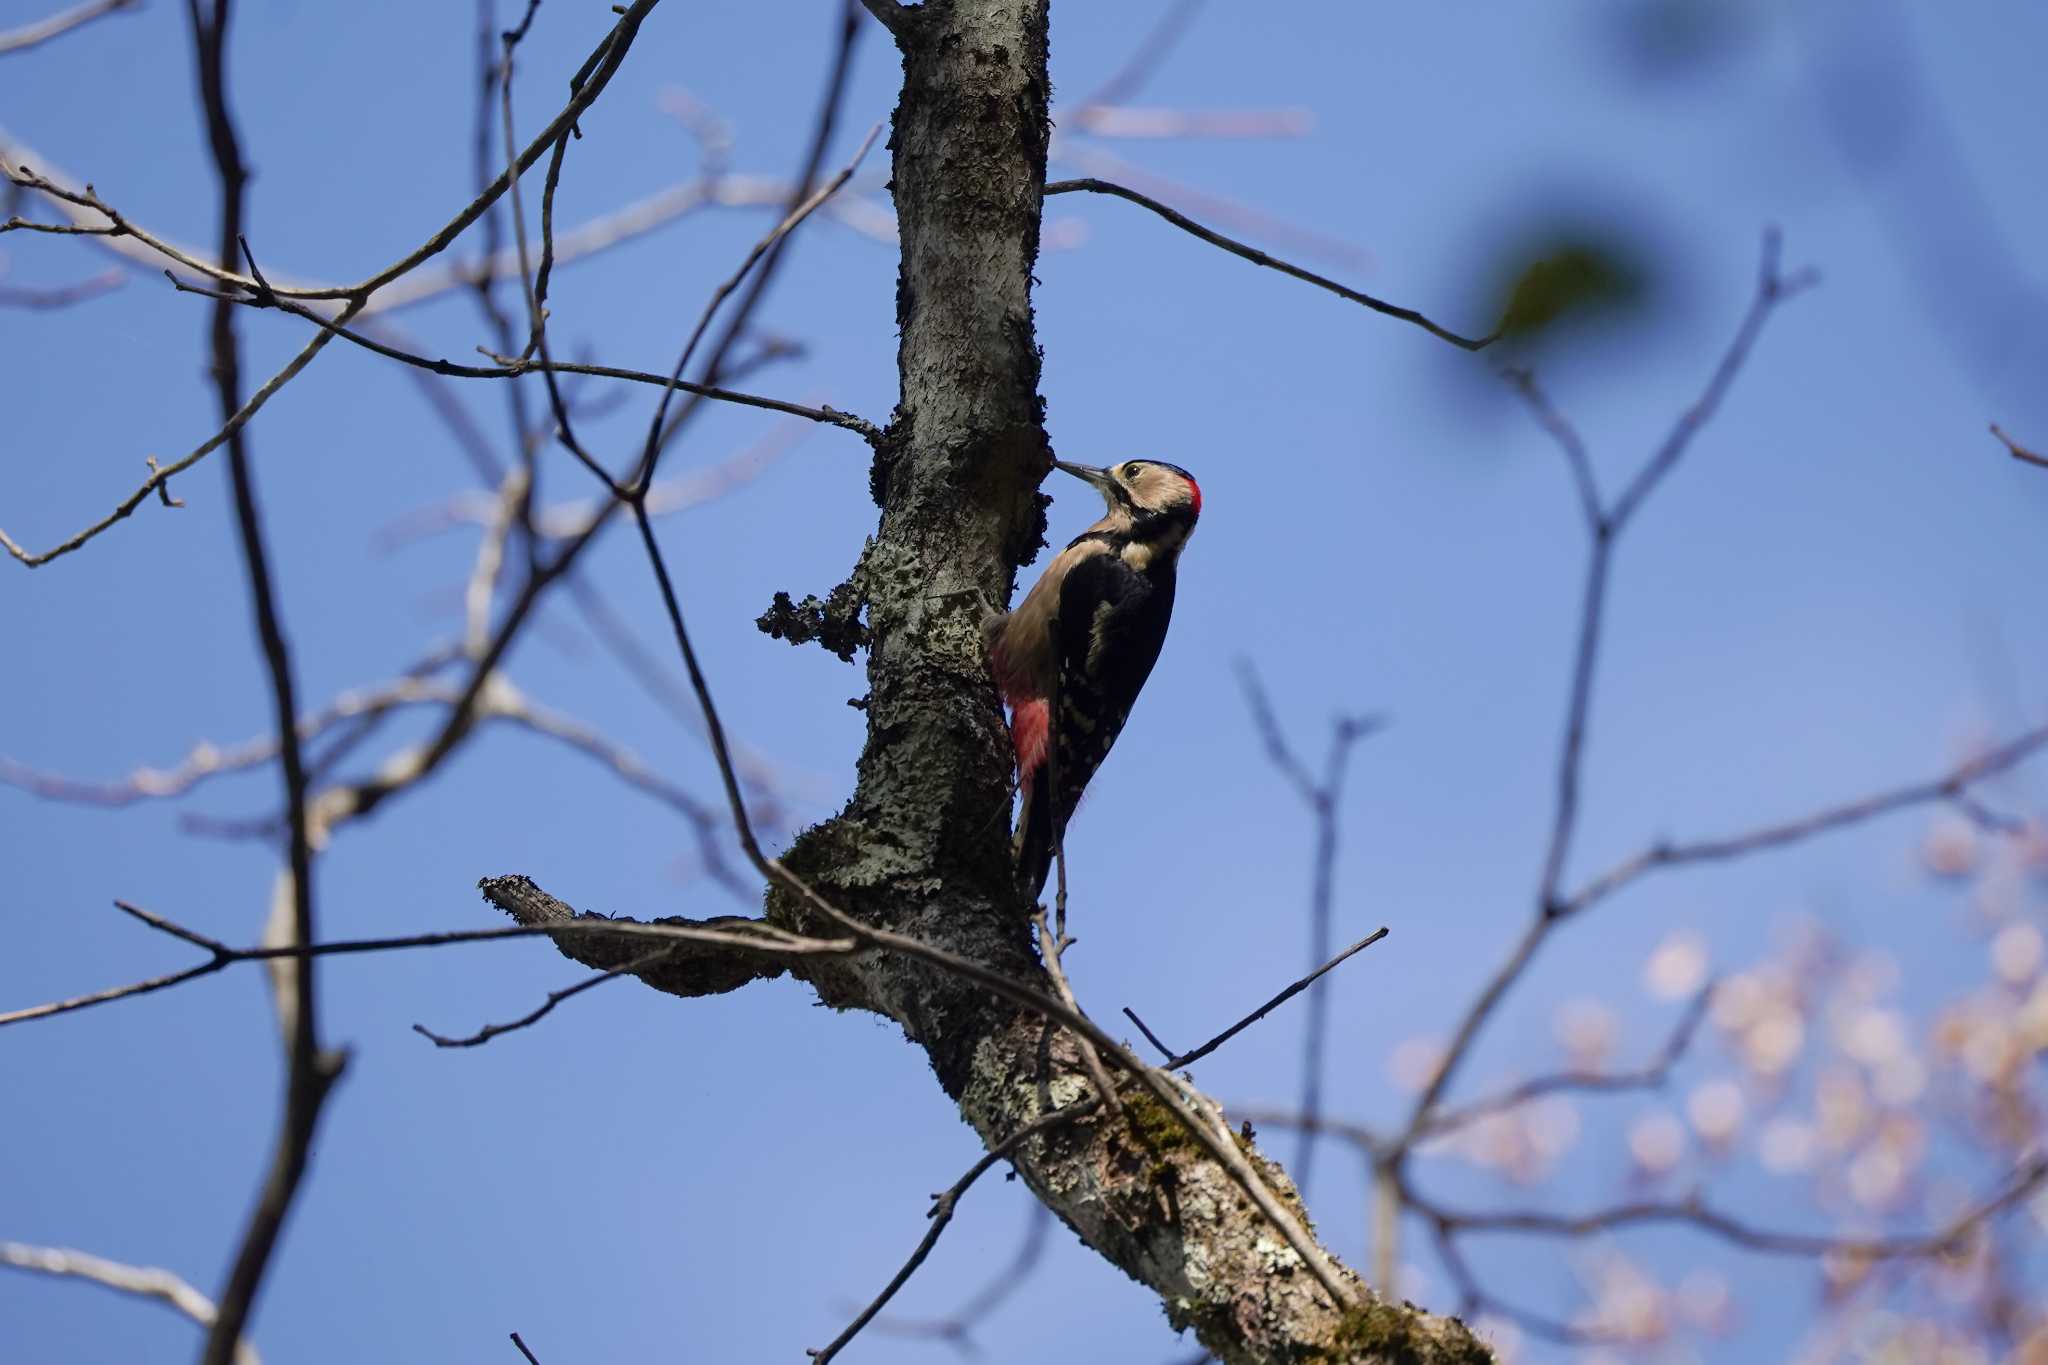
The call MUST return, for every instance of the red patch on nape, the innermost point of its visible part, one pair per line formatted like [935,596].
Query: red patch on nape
[1194,496]
[1030,724]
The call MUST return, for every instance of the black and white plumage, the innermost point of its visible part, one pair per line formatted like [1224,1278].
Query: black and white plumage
[1073,656]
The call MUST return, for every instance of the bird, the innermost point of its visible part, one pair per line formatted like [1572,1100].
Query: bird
[1071,658]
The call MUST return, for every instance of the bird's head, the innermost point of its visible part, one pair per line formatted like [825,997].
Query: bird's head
[1146,497]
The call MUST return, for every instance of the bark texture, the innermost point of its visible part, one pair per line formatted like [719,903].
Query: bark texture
[922,846]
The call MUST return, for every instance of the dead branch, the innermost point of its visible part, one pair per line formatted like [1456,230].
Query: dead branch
[143,1281]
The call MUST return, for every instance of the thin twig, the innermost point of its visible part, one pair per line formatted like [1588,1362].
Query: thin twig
[943,1205]
[601,66]
[142,1281]
[536,293]
[2016,450]
[1649,1076]
[45,300]
[1604,526]
[1050,950]
[1772,289]
[655,431]
[1324,798]
[514,367]
[1187,1059]
[43,30]
[531,1359]
[1258,257]
[1951,786]
[1146,58]
[957,1327]
[1693,1211]
[755,937]
[546,1007]
[1568,440]
[1165,1052]
[159,476]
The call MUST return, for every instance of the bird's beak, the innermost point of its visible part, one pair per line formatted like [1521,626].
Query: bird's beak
[1088,473]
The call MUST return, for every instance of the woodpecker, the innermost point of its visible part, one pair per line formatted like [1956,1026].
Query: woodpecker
[1071,658]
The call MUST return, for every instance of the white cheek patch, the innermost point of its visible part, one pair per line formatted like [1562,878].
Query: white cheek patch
[1140,554]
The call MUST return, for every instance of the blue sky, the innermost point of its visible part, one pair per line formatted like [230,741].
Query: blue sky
[1836,592]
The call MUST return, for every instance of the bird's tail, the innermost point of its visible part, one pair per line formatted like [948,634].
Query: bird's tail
[1034,834]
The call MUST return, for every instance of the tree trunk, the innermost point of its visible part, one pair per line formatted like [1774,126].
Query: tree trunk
[922,847]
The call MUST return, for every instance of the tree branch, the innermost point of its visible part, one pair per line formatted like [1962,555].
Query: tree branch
[1604,527]
[1951,786]
[143,1281]
[43,30]
[1258,257]
[1649,1076]
[311,1070]
[1696,1213]
[2015,449]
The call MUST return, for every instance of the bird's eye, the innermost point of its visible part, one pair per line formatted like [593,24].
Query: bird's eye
[1131,470]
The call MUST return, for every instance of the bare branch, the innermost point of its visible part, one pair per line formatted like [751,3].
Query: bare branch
[311,1071]
[1217,211]
[2015,449]
[1267,724]
[762,248]
[1696,1213]
[699,951]
[143,1281]
[1604,526]
[20,224]
[482,589]
[1050,950]
[535,288]
[635,967]
[1150,53]
[513,367]
[161,475]
[943,1205]
[1952,786]
[502,701]
[626,224]
[600,234]
[1258,257]
[1324,798]
[1474,1299]
[1650,1076]
[79,1002]
[1568,440]
[1187,1059]
[43,30]
[1772,289]
[62,296]
[206,760]
[597,73]
[956,1328]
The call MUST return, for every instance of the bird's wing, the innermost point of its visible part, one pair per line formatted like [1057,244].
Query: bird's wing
[1107,646]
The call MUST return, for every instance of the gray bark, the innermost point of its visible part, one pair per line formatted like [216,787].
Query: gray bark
[922,846]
